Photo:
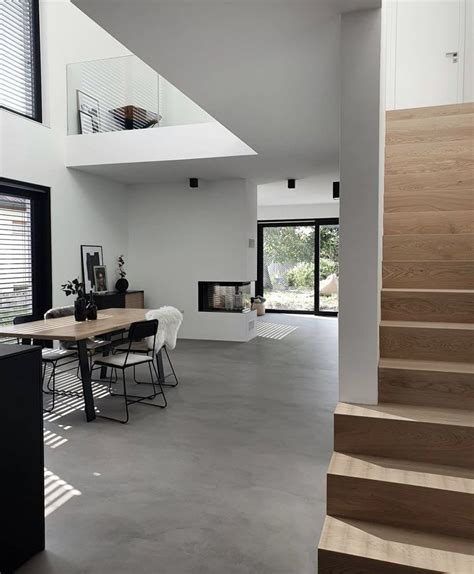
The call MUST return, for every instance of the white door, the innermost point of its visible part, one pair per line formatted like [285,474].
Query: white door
[429,53]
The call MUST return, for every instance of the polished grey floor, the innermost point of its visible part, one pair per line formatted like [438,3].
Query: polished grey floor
[229,479]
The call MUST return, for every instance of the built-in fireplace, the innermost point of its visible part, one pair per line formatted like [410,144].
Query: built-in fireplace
[224,296]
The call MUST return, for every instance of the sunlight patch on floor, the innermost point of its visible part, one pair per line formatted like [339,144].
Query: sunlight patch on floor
[274,330]
[56,492]
[66,404]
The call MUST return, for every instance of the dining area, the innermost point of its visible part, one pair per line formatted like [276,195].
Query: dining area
[55,366]
[118,339]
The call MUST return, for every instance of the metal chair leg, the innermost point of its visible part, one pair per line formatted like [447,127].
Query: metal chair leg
[122,421]
[172,369]
[50,391]
[162,392]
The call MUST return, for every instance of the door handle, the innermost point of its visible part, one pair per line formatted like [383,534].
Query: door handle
[453,55]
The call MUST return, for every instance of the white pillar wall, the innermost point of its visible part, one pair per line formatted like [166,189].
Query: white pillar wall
[361,164]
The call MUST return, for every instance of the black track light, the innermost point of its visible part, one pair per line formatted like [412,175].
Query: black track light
[193,182]
[291,183]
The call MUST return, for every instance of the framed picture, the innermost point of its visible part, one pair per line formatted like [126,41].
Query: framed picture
[91,256]
[87,123]
[100,278]
[88,105]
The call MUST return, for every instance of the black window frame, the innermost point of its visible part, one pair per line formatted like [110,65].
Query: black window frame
[41,261]
[37,89]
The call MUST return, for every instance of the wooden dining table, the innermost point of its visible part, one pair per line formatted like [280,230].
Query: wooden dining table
[68,329]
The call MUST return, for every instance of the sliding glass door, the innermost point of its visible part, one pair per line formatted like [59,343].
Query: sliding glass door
[328,249]
[298,266]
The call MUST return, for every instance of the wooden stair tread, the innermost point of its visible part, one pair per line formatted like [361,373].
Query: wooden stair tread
[427,325]
[405,472]
[409,548]
[436,366]
[413,413]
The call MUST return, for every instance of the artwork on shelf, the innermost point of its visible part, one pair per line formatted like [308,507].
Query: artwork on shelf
[91,256]
[87,123]
[88,105]
[100,279]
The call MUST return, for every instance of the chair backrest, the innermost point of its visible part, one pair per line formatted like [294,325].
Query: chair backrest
[21,320]
[170,320]
[141,330]
[58,312]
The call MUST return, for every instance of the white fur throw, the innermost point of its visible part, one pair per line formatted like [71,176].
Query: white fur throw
[169,322]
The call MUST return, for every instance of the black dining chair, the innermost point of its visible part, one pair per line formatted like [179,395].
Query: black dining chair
[138,331]
[52,358]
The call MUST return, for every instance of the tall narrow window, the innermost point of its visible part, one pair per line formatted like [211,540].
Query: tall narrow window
[20,77]
[16,274]
[25,251]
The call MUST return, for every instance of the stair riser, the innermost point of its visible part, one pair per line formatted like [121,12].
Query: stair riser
[338,563]
[429,223]
[428,275]
[426,388]
[413,507]
[426,344]
[406,200]
[403,159]
[447,247]
[404,439]
[426,130]
[454,307]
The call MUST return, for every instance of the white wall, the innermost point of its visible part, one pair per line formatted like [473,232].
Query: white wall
[418,34]
[361,158]
[84,209]
[179,236]
[315,210]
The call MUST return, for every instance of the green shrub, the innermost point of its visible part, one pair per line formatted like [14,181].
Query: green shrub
[326,267]
[301,276]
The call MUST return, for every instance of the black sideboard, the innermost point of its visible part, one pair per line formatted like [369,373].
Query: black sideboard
[116,300]
[22,460]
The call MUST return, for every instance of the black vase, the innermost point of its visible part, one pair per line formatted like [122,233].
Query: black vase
[91,309]
[80,309]
[122,285]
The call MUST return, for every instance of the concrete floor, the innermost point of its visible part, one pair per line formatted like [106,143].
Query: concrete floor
[229,479]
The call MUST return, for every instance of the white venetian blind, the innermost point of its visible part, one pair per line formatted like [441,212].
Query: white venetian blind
[16,291]
[18,81]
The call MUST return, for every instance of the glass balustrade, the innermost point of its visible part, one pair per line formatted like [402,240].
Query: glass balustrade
[124,93]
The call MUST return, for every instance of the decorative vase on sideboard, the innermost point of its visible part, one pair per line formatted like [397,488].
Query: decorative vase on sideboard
[122,285]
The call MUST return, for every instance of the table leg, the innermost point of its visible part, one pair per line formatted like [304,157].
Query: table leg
[86,380]
[159,364]
[105,352]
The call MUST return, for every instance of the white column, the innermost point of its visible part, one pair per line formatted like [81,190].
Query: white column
[361,163]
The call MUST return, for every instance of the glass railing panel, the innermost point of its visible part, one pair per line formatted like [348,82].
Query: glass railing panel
[124,93]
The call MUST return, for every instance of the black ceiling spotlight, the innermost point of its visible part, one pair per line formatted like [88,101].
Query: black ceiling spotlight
[193,182]
[291,183]
[335,189]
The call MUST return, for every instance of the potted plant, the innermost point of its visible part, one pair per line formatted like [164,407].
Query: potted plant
[122,284]
[75,287]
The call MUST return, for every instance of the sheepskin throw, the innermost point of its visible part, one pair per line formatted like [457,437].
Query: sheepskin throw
[169,322]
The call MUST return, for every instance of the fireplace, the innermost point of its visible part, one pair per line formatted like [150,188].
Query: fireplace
[224,296]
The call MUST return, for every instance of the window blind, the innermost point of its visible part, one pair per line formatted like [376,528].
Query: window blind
[16,289]
[20,87]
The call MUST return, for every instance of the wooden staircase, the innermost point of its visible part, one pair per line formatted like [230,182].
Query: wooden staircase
[400,486]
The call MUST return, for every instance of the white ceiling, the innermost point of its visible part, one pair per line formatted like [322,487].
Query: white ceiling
[267,70]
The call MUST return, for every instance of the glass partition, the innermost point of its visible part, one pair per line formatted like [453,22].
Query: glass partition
[125,93]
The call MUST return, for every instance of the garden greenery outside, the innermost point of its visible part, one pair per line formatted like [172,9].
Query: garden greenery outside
[289,266]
